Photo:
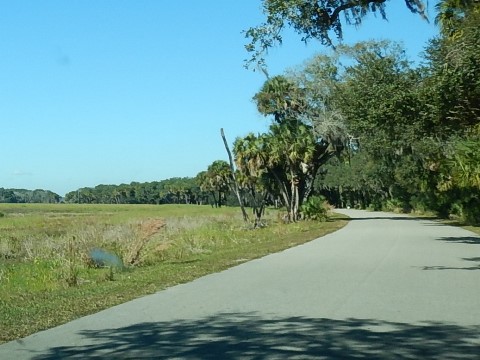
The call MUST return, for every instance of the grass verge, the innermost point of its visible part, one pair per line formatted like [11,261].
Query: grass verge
[472,228]
[46,281]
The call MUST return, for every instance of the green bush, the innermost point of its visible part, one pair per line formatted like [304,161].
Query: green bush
[471,212]
[315,208]
[395,205]
[456,210]
[420,203]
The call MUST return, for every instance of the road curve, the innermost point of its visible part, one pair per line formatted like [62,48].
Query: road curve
[384,287]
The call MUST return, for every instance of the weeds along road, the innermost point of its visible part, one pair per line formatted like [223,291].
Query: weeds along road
[385,286]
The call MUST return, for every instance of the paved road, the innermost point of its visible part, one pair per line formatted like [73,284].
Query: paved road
[386,286]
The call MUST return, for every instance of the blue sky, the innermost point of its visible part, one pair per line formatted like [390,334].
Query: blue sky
[114,91]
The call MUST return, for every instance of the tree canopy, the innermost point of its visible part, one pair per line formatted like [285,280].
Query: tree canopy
[312,19]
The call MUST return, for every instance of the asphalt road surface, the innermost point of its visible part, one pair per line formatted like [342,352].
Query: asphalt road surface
[384,287]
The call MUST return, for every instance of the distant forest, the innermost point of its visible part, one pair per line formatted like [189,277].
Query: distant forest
[28,196]
[171,191]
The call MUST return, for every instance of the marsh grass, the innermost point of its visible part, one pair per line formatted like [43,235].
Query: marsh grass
[47,277]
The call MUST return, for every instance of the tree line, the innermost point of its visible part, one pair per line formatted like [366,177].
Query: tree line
[209,187]
[28,196]
[169,191]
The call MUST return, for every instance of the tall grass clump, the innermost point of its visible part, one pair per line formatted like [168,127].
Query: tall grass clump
[72,274]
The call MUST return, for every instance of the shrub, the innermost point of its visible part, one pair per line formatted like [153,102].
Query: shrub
[395,205]
[315,208]
[419,203]
[471,212]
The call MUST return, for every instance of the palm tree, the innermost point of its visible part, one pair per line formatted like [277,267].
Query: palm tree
[203,185]
[249,156]
[281,98]
[250,160]
[466,164]
[292,151]
[219,176]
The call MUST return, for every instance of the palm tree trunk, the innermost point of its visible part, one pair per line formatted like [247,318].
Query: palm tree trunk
[236,187]
[284,192]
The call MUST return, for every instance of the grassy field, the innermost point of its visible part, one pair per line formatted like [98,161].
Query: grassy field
[48,275]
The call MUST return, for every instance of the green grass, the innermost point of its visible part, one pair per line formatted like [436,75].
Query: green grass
[452,222]
[472,228]
[46,278]
[475,229]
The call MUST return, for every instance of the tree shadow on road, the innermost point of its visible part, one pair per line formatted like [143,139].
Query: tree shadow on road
[410,218]
[475,267]
[248,336]
[474,240]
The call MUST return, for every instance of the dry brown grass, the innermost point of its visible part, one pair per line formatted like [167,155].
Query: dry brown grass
[146,230]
